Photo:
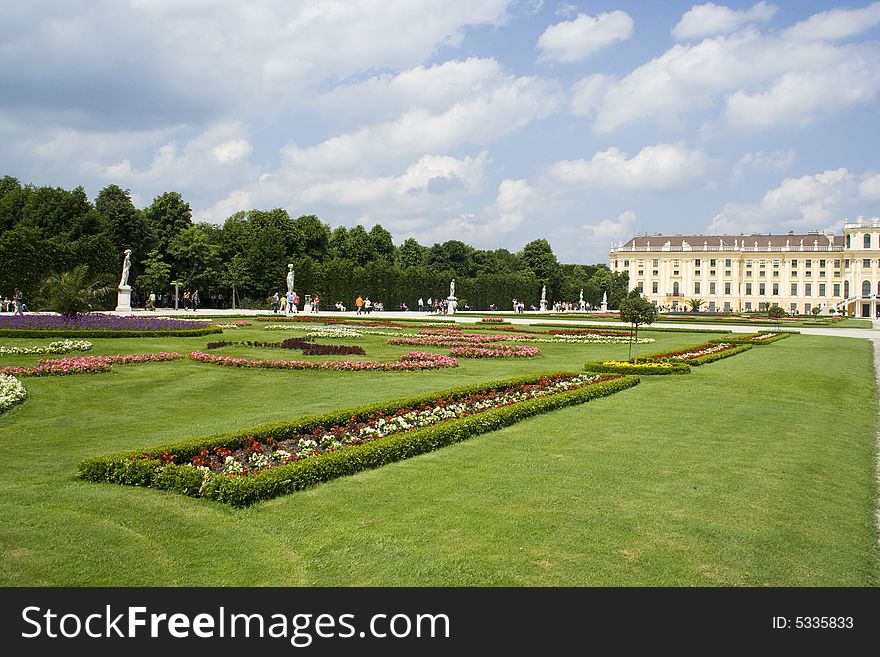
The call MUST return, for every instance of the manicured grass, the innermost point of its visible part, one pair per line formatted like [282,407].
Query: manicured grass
[754,470]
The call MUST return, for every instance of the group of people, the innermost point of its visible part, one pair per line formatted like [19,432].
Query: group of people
[15,304]
[289,303]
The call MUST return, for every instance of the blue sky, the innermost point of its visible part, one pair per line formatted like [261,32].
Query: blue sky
[495,122]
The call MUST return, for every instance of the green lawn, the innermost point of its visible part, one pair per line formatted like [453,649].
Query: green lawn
[755,470]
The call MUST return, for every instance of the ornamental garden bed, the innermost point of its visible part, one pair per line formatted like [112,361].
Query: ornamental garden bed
[303,344]
[761,337]
[101,326]
[641,367]
[414,360]
[263,462]
[703,353]
[12,392]
[86,364]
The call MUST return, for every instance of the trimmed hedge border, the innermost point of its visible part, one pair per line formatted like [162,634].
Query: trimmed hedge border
[750,339]
[55,333]
[647,368]
[130,468]
[718,355]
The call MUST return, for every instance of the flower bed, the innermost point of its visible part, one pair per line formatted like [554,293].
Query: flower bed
[232,325]
[704,353]
[368,437]
[86,364]
[57,347]
[303,344]
[101,326]
[414,360]
[306,319]
[12,392]
[496,351]
[642,367]
[493,320]
[762,337]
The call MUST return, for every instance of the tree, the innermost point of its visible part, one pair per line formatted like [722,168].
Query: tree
[381,243]
[196,253]
[637,310]
[313,236]
[156,274]
[411,254]
[128,228]
[696,303]
[235,275]
[777,313]
[538,256]
[73,292]
[167,215]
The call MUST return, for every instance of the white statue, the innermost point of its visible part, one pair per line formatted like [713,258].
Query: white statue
[126,266]
[604,298]
[290,278]
[544,293]
[452,289]
[582,295]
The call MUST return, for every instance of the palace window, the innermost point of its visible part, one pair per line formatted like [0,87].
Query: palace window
[821,264]
[697,287]
[837,264]
[712,262]
[846,289]
[727,262]
[867,241]
[748,288]
[807,308]
[776,289]
[808,289]
[748,305]
[808,263]
[794,264]
[821,289]
[866,288]
[794,289]
[712,287]
[727,288]
[866,262]
[836,288]
[727,273]
[696,262]
[641,286]
[655,263]
[792,308]
[762,289]
[626,264]
[654,287]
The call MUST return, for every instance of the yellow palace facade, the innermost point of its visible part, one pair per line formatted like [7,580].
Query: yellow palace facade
[741,273]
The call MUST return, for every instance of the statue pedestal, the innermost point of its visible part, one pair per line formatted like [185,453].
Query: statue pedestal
[451,305]
[543,305]
[123,300]
[604,306]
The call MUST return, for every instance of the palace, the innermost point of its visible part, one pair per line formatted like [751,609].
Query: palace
[741,273]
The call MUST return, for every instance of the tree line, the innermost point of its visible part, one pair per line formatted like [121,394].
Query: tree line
[47,230]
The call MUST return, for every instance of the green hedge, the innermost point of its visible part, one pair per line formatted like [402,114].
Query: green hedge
[718,355]
[132,469]
[97,333]
[636,368]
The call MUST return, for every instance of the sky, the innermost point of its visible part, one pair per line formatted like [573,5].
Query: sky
[494,122]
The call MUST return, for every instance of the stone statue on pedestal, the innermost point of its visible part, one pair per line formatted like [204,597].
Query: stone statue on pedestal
[604,301]
[126,267]
[290,278]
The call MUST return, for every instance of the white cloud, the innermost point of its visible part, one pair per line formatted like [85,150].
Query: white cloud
[657,168]
[761,161]
[836,24]
[613,230]
[710,19]
[869,189]
[748,72]
[574,41]
[805,96]
[501,106]
[174,62]
[811,202]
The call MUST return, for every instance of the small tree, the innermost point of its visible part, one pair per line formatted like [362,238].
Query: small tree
[236,274]
[816,311]
[695,304]
[73,292]
[777,313]
[637,310]
[156,274]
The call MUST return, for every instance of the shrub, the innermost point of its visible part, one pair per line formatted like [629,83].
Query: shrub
[627,367]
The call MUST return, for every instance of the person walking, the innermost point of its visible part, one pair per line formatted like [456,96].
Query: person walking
[18,298]
[289,302]
[186,300]
[315,301]
[359,304]
[194,299]
[421,305]
[275,301]
[295,303]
